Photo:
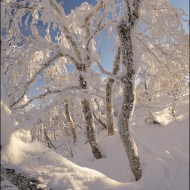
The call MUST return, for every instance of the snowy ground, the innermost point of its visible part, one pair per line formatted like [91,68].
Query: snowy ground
[163,151]
[6,185]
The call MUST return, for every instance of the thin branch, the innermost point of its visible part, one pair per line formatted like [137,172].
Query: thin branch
[87,19]
[57,8]
[40,96]
[156,57]
[103,71]
[98,30]
[45,65]
[100,121]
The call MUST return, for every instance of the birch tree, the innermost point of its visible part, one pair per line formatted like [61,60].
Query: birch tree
[70,121]
[74,42]
[164,56]
[125,30]
[151,41]
[109,96]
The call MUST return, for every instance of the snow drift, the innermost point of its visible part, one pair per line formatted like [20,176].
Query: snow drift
[163,151]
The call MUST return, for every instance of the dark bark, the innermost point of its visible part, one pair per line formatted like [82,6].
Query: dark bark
[70,121]
[100,121]
[109,103]
[48,140]
[89,119]
[128,80]
[22,182]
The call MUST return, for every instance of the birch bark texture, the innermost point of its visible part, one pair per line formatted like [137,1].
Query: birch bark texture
[125,29]
[109,88]
[90,132]
[70,121]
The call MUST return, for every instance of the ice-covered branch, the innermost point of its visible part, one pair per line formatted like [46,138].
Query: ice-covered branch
[103,71]
[88,17]
[45,65]
[98,29]
[57,8]
[94,10]
[157,58]
[40,96]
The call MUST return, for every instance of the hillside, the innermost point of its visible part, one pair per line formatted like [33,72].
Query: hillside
[163,151]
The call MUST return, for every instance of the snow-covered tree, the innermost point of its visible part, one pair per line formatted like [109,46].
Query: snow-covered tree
[74,42]
[125,31]
[109,95]
[39,40]
[146,36]
[164,56]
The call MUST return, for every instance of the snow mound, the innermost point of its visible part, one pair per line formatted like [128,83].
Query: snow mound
[163,152]
[8,124]
[52,169]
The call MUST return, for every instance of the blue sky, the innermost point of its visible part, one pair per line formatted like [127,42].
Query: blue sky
[107,47]
[72,4]
[183,4]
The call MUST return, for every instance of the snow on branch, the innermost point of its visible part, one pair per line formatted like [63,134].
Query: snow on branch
[94,10]
[45,65]
[57,8]
[103,71]
[48,91]
[157,58]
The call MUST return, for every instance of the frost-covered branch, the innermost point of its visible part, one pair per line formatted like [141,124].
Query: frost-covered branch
[45,65]
[47,92]
[86,20]
[57,8]
[103,71]
[158,59]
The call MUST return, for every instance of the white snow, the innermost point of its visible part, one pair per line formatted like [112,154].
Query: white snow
[8,124]
[163,151]
[5,184]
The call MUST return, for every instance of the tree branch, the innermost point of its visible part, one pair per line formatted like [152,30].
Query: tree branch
[103,71]
[45,65]
[156,57]
[40,96]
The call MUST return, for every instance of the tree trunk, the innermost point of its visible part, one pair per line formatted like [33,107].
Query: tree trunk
[124,31]
[48,140]
[70,121]
[109,108]
[128,102]
[89,122]
[100,121]
[109,105]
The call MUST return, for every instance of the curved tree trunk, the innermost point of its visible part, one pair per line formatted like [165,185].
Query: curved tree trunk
[90,129]
[109,105]
[124,31]
[70,121]
[89,120]
[48,140]
[100,122]
[83,85]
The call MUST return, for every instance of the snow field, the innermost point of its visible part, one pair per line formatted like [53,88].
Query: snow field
[163,151]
